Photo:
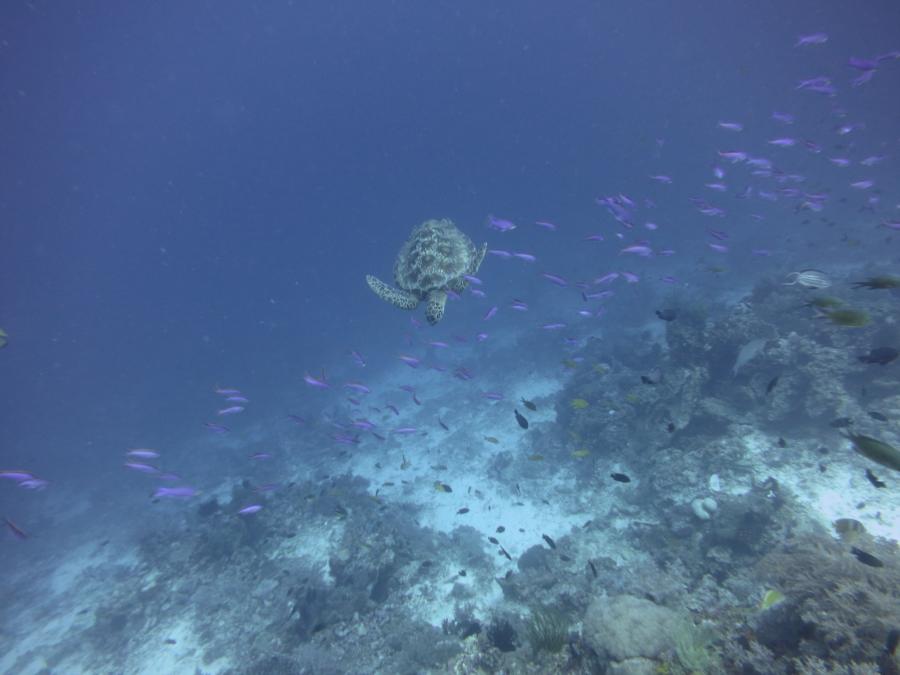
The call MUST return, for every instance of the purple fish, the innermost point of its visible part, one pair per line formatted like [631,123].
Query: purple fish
[481,337]
[227,392]
[248,510]
[783,117]
[500,224]
[862,64]
[519,306]
[500,253]
[233,410]
[606,278]
[33,484]
[556,279]
[594,237]
[493,395]
[733,156]
[13,474]
[296,419]
[358,386]
[405,431]
[182,492]
[660,178]
[358,358]
[140,466]
[630,277]
[411,361]
[216,428]
[490,313]
[545,225]
[731,126]
[260,456]
[315,382]
[472,279]
[640,250]
[527,257]
[862,184]
[719,248]
[839,161]
[143,453]
[553,326]
[783,142]
[811,39]
[393,409]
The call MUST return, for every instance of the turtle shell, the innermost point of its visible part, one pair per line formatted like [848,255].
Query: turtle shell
[435,255]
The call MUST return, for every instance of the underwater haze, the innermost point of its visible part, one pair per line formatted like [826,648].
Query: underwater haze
[449,337]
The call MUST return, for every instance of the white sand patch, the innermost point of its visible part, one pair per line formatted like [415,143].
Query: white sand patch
[836,493]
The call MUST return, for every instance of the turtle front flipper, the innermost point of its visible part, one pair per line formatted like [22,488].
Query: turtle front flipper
[478,258]
[395,296]
[434,306]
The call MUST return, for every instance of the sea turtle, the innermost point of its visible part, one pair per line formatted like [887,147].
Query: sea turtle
[435,259]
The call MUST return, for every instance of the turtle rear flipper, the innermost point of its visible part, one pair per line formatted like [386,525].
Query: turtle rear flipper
[395,296]
[434,306]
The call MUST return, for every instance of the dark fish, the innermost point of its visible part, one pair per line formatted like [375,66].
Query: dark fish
[529,404]
[866,558]
[550,542]
[873,479]
[443,426]
[593,569]
[463,510]
[504,553]
[667,314]
[781,443]
[670,427]
[493,540]
[890,644]
[462,573]
[647,380]
[169,641]
[875,415]
[15,529]
[772,384]
[521,420]
[880,355]
[500,529]
[564,558]
[621,477]
[841,422]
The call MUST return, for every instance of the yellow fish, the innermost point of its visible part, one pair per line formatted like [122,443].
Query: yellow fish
[771,597]
[536,458]
[581,453]
[442,487]
[491,439]
[578,404]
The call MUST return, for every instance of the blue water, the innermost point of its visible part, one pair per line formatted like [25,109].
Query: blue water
[192,193]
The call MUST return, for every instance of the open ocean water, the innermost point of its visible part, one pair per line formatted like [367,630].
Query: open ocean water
[449,337]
